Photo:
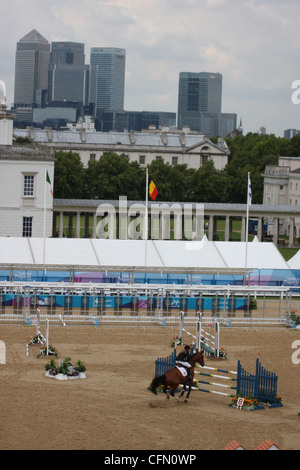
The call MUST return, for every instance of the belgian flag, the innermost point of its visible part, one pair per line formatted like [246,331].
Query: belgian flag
[152,190]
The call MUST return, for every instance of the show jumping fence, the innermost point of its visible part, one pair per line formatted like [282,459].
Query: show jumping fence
[261,386]
[203,340]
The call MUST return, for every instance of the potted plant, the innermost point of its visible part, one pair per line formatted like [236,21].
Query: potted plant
[51,369]
[80,368]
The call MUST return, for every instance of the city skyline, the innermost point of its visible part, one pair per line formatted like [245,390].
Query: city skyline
[252,43]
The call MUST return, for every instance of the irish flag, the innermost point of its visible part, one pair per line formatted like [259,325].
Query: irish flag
[153,191]
[49,181]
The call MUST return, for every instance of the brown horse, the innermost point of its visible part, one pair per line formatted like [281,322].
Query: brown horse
[173,378]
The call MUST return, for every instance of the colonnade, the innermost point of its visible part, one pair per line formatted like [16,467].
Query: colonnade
[84,223]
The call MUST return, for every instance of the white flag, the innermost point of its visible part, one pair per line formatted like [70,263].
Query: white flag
[249,199]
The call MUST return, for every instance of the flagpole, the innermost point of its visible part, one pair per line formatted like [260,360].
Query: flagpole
[247,220]
[44,234]
[146,216]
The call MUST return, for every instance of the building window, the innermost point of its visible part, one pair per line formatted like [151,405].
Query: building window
[142,159]
[29,185]
[204,159]
[92,157]
[174,160]
[281,187]
[27,227]
[158,157]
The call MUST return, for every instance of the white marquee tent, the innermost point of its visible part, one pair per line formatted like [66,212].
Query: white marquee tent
[132,255]
[294,262]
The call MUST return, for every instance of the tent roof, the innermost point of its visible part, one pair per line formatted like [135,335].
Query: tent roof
[131,256]
[294,262]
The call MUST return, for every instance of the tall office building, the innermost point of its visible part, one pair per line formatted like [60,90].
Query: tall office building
[72,84]
[66,72]
[31,72]
[71,53]
[110,62]
[200,101]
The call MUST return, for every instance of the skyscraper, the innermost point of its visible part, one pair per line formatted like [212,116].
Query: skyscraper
[31,71]
[71,53]
[66,72]
[111,77]
[200,101]
[70,80]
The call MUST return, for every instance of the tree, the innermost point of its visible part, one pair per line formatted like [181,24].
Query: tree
[69,176]
[113,176]
[208,184]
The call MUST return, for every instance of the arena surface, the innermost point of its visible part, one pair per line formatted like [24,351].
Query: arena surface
[112,408]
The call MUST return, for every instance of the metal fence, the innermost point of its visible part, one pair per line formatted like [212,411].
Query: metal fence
[156,305]
[67,319]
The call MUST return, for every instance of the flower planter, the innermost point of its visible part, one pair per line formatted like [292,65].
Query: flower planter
[65,371]
[81,375]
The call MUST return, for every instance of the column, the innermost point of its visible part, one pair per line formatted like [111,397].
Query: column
[275,232]
[211,228]
[259,228]
[61,225]
[291,232]
[227,228]
[77,224]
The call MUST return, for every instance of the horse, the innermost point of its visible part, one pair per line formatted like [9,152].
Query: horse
[173,378]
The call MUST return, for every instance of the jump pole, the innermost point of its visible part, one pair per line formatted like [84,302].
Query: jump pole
[37,321]
[181,327]
[216,337]
[47,335]
[214,341]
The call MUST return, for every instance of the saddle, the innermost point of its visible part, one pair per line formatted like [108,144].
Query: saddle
[185,370]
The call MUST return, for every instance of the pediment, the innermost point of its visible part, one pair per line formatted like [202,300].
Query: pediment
[207,148]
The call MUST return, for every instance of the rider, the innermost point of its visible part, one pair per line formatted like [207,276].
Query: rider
[183,360]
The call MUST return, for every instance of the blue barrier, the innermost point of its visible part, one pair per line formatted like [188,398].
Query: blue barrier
[164,363]
[262,385]
[113,302]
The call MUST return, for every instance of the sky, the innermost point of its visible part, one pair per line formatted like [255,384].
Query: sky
[254,44]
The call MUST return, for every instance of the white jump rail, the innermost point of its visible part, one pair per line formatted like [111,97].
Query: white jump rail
[203,339]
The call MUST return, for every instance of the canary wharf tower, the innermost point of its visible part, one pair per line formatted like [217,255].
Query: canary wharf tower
[31,70]
[200,101]
[110,63]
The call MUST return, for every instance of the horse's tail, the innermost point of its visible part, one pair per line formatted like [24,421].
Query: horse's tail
[156,382]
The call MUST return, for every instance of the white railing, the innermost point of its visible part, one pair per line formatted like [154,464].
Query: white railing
[68,319]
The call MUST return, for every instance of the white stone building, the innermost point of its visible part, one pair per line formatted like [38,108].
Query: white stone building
[26,202]
[25,195]
[180,147]
[282,188]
